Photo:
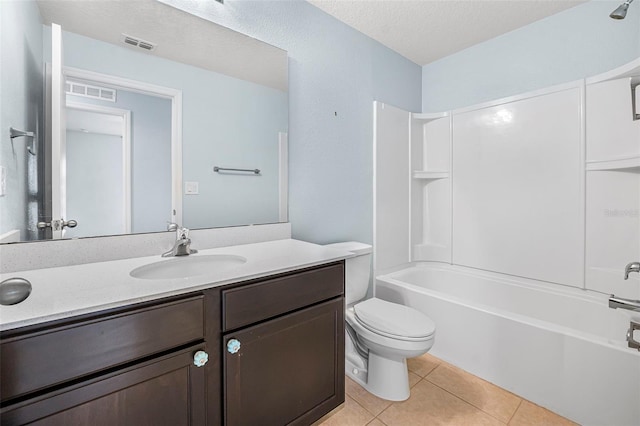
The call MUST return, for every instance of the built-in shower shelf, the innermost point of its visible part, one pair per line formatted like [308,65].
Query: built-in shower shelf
[629,164]
[429,116]
[429,175]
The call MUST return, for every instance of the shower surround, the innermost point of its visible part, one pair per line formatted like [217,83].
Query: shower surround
[510,224]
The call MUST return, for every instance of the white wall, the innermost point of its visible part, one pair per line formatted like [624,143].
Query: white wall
[21,97]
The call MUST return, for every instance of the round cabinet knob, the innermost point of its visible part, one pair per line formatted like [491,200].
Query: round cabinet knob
[200,358]
[71,224]
[233,346]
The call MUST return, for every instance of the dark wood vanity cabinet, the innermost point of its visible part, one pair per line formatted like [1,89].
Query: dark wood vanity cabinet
[169,390]
[125,366]
[287,370]
[283,348]
[135,365]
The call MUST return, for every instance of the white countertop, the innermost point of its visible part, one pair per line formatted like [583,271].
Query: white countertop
[75,290]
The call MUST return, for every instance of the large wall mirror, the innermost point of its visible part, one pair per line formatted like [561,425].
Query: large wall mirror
[128,115]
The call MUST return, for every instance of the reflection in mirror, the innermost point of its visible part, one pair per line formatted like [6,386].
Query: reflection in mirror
[118,157]
[103,183]
[142,130]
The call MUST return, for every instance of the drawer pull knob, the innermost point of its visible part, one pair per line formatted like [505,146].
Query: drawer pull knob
[200,358]
[233,346]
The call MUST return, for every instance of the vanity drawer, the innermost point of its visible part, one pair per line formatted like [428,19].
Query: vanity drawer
[256,302]
[54,355]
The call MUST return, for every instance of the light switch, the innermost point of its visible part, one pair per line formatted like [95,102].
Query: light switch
[191,188]
[3,181]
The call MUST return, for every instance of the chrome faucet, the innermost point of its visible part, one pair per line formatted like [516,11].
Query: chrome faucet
[182,246]
[632,267]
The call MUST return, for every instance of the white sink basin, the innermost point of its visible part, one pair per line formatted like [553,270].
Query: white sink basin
[188,266]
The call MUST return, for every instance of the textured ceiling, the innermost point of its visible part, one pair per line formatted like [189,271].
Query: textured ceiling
[426,30]
[180,36]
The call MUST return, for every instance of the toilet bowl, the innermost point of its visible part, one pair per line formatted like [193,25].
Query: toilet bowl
[380,335]
[385,373]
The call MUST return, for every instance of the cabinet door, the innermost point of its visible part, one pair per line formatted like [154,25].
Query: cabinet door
[289,370]
[166,391]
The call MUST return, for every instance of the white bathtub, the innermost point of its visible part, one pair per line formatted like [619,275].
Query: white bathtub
[560,347]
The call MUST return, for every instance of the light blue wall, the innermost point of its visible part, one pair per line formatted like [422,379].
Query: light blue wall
[21,97]
[335,73]
[240,131]
[577,43]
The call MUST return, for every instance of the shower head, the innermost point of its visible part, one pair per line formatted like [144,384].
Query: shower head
[621,11]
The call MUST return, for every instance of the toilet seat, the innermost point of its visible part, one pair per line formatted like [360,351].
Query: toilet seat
[394,320]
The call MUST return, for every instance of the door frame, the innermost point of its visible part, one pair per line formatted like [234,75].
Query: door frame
[126,151]
[175,96]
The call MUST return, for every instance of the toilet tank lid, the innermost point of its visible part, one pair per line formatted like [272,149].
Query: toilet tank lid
[353,246]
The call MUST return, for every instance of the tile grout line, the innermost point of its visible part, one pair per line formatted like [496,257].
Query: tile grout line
[365,409]
[361,406]
[438,362]
[517,408]
[521,399]
[393,402]
[471,404]
[380,420]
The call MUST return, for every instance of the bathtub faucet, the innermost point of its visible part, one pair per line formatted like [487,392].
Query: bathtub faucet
[620,303]
[632,305]
[632,267]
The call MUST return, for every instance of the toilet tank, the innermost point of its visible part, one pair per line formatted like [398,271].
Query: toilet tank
[358,270]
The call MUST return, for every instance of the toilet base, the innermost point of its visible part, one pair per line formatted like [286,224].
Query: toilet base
[356,373]
[383,377]
[388,378]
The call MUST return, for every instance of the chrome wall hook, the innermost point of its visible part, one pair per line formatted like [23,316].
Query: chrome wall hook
[15,133]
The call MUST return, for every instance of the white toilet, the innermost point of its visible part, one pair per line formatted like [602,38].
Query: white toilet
[380,335]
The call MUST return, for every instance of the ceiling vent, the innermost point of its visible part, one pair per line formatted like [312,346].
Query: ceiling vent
[138,42]
[89,91]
